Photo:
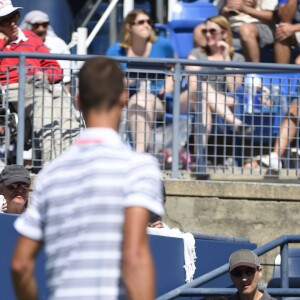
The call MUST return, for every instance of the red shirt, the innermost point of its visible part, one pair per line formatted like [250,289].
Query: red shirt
[9,65]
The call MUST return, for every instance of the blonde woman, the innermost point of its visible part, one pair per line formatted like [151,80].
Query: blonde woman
[215,88]
[138,39]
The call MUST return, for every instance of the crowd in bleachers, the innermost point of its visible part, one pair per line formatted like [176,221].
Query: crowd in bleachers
[200,30]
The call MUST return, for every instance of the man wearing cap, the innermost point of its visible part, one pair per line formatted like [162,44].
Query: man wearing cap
[245,272]
[53,117]
[39,22]
[14,188]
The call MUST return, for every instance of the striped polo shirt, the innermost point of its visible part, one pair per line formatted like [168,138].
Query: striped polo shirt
[77,210]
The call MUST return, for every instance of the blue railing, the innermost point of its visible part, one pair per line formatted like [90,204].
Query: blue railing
[190,289]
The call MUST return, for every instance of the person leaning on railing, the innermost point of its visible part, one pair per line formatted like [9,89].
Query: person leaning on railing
[138,39]
[245,272]
[39,22]
[215,88]
[14,189]
[54,121]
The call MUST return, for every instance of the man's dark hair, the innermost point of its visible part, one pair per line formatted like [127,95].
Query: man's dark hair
[100,84]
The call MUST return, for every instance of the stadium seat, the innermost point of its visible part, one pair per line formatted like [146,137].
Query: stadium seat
[266,118]
[294,271]
[185,16]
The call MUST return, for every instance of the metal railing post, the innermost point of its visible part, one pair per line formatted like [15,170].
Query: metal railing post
[176,117]
[21,110]
[284,268]
[199,145]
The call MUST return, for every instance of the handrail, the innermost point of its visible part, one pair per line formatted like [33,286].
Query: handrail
[282,241]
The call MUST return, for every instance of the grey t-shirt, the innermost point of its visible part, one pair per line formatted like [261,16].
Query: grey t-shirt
[217,81]
[265,296]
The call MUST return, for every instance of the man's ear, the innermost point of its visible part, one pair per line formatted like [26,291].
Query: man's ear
[124,98]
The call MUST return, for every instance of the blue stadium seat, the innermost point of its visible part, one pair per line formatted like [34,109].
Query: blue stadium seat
[294,272]
[267,119]
[185,16]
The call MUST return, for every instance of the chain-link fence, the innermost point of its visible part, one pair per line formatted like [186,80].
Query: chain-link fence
[199,118]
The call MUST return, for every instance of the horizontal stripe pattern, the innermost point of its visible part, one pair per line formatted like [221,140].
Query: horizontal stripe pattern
[77,209]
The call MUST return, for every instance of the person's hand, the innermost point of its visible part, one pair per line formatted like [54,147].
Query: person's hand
[224,47]
[234,5]
[238,5]
[3,36]
[284,31]
[4,205]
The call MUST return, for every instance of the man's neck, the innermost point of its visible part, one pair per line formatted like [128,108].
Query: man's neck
[256,295]
[105,119]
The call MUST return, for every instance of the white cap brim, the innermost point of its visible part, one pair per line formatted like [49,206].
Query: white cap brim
[7,10]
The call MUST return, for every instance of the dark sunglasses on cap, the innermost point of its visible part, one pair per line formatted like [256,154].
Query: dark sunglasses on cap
[142,22]
[37,25]
[19,186]
[240,272]
[10,19]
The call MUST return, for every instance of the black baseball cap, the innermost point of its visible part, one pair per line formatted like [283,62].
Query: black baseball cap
[13,174]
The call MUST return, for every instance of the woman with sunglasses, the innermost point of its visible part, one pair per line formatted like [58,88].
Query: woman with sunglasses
[216,89]
[138,39]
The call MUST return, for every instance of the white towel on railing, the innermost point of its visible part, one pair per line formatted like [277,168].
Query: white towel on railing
[189,247]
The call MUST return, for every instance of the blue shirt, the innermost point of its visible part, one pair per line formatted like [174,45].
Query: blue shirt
[161,48]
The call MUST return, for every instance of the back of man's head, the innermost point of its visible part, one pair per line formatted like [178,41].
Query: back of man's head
[100,84]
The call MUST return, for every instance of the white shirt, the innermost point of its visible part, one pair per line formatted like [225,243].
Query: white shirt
[77,210]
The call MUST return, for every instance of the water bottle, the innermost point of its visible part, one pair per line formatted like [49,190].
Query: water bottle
[257,102]
[252,85]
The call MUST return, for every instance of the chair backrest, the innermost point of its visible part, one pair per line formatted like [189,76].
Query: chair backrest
[264,101]
[185,16]
[200,9]
[294,264]
[294,272]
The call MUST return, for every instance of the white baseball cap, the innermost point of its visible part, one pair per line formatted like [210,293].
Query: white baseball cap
[6,8]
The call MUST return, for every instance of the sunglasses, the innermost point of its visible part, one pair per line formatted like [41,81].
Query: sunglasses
[238,273]
[10,19]
[142,22]
[37,25]
[19,187]
[211,31]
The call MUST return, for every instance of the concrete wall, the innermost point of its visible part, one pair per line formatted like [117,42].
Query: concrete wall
[259,212]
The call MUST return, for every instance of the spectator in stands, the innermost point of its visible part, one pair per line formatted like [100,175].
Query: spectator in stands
[155,220]
[252,24]
[287,31]
[245,273]
[215,89]
[95,236]
[287,133]
[53,118]
[39,22]
[287,35]
[144,107]
[14,187]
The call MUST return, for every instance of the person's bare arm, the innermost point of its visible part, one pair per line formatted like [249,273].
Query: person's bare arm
[265,16]
[138,269]
[22,266]
[287,12]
